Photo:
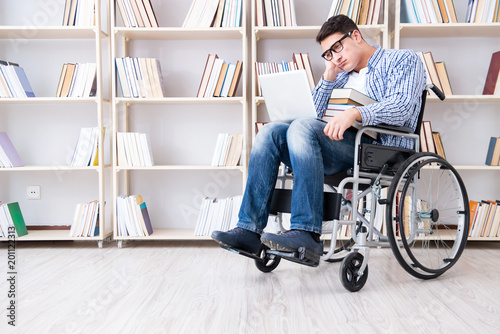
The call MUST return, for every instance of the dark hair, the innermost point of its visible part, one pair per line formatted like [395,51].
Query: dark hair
[339,23]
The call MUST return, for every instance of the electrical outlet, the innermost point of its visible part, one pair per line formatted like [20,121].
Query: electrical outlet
[33,192]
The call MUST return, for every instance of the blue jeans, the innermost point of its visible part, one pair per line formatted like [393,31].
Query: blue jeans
[304,147]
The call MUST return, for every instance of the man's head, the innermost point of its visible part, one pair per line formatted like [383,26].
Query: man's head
[343,44]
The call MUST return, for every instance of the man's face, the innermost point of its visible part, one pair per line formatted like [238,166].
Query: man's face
[348,58]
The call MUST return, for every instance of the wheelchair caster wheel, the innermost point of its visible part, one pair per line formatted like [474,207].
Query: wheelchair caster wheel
[266,262]
[349,272]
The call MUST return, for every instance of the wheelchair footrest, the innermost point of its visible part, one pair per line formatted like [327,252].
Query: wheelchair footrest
[301,256]
[241,252]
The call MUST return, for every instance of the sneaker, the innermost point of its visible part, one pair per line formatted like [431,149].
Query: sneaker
[239,238]
[291,241]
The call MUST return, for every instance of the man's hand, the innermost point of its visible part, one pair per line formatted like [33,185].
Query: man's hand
[335,127]
[331,71]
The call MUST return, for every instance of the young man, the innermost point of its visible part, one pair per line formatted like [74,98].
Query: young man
[313,148]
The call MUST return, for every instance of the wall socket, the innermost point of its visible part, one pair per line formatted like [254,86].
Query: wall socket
[33,192]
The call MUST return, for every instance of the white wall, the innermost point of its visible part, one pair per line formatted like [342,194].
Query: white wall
[186,134]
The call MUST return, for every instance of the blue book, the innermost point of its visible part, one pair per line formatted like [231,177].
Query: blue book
[24,81]
[493,152]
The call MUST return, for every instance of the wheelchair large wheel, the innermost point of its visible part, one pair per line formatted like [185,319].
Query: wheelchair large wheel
[428,215]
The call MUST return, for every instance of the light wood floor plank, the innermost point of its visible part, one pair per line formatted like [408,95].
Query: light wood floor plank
[197,287]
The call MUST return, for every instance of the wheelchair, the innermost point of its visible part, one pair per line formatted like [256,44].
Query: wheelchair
[426,210]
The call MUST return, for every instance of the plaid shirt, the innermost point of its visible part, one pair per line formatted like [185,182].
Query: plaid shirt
[395,78]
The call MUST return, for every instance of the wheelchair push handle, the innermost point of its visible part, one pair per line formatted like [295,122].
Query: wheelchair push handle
[437,91]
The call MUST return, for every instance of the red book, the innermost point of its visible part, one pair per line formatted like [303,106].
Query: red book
[492,76]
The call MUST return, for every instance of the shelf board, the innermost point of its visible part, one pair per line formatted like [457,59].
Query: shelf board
[464,98]
[306,32]
[179,33]
[49,168]
[477,167]
[48,100]
[55,235]
[450,30]
[167,234]
[182,167]
[181,100]
[54,32]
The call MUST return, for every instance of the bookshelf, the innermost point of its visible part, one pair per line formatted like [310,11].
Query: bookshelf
[464,119]
[45,127]
[273,44]
[182,175]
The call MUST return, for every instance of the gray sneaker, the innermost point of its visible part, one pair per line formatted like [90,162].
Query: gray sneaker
[239,238]
[290,241]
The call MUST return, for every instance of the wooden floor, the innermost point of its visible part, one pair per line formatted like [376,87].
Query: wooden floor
[197,287]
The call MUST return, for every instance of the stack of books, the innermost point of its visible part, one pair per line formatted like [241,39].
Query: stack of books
[493,154]
[132,216]
[483,11]
[436,72]
[428,11]
[80,13]
[8,155]
[133,150]
[85,220]
[492,83]
[275,13]
[484,218]
[214,13]
[362,12]
[219,79]
[86,153]
[300,61]
[430,141]
[13,81]
[217,215]
[140,77]
[11,220]
[227,150]
[137,13]
[77,80]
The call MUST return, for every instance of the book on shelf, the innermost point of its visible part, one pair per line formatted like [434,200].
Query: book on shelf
[12,217]
[275,13]
[482,11]
[9,157]
[493,153]
[228,150]
[13,81]
[133,150]
[492,82]
[80,13]
[484,218]
[300,61]
[431,72]
[132,216]
[137,13]
[443,77]
[428,11]
[428,142]
[140,77]
[362,12]
[219,78]
[438,142]
[217,214]
[214,13]
[86,150]
[85,220]
[77,80]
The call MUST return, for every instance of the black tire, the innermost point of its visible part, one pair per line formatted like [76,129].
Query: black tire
[428,215]
[349,272]
[267,262]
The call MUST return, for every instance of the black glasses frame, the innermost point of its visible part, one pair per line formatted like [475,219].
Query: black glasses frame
[328,54]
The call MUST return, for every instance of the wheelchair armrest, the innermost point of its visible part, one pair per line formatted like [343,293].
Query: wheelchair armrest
[403,129]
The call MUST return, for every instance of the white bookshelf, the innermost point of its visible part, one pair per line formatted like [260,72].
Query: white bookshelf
[123,40]
[19,36]
[471,113]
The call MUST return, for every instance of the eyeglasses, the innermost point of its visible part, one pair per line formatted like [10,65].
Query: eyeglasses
[336,47]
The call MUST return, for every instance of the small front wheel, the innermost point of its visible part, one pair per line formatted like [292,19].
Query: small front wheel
[267,262]
[349,272]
